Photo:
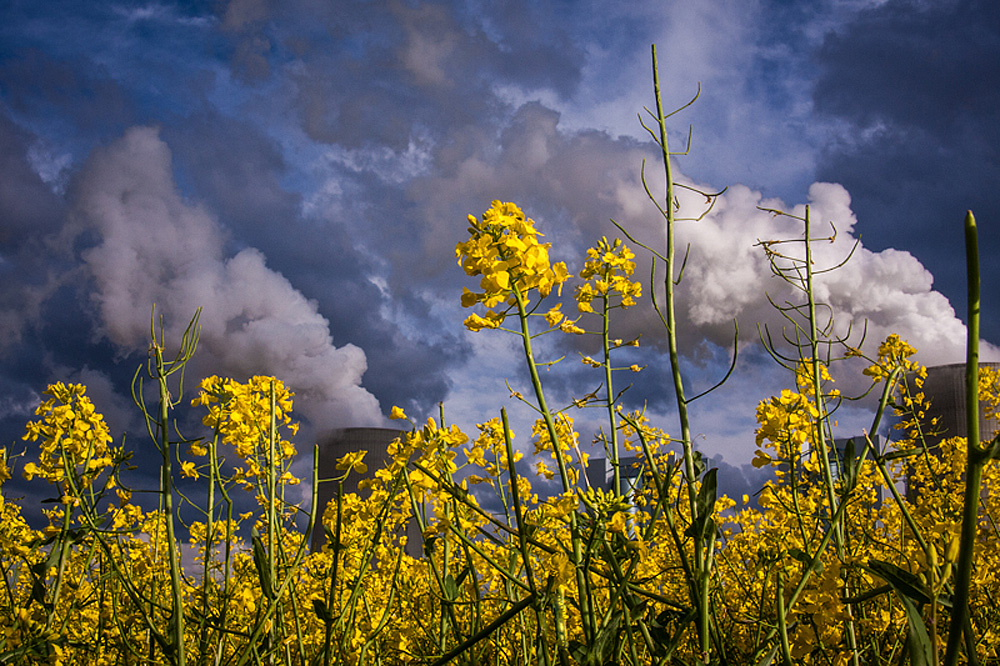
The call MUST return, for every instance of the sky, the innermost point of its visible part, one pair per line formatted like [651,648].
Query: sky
[302,171]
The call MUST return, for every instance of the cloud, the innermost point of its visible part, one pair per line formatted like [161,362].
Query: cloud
[916,140]
[727,276]
[154,247]
[49,89]
[332,247]
[29,213]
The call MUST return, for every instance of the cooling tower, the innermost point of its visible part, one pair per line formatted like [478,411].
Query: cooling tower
[945,388]
[338,443]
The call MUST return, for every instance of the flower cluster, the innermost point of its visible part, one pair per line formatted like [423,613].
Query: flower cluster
[607,271]
[893,354]
[786,424]
[74,437]
[503,248]
[241,414]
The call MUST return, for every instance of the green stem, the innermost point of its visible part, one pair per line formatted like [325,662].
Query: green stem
[612,420]
[293,567]
[700,571]
[550,426]
[61,565]
[209,540]
[977,457]
[333,597]
[820,423]
[272,510]
[179,656]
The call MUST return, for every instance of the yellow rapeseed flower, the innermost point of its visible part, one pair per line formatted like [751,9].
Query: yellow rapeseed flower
[503,249]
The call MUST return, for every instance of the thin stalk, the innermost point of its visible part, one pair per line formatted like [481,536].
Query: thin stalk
[61,566]
[516,500]
[613,422]
[486,631]
[701,574]
[179,656]
[786,653]
[577,550]
[333,596]
[272,509]
[977,456]
[209,540]
[820,431]
[293,567]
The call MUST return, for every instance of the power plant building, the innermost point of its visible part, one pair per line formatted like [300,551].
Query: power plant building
[945,389]
[337,444]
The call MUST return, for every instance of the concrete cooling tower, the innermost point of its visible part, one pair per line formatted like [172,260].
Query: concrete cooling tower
[945,388]
[337,444]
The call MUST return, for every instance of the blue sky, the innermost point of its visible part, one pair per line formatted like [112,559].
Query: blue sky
[302,170]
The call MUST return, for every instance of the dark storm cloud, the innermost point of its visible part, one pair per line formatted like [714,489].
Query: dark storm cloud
[237,170]
[29,213]
[40,86]
[915,85]
[371,73]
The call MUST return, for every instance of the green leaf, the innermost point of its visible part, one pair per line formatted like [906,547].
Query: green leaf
[918,641]
[849,466]
[637,611]
[260,561]
[600,651]
[902,581]
[703,524]
[450,588]
[909,589]
[666,641]
[708,493]
[322,612]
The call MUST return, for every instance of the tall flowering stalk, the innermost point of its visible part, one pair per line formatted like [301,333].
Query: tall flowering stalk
[815,344]
[503,249]
[701,502]
[608,271]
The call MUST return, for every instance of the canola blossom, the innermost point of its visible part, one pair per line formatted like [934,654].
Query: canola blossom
[607,272]
[503,249]
[830,563]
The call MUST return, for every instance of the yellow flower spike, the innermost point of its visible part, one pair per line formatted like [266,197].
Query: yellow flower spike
[72,436]
[397,413]
[504,251]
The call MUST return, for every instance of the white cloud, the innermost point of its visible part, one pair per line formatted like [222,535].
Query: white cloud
[154,247]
